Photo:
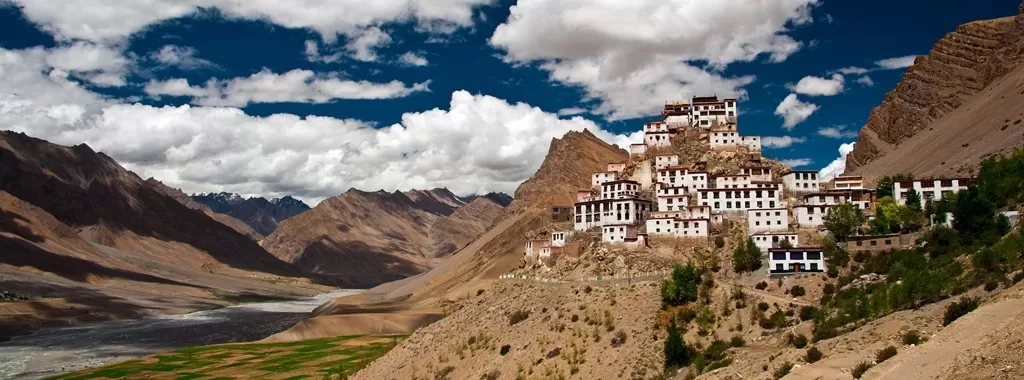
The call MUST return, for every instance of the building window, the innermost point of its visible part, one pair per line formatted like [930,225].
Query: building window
[813,255]
[796,255]
[874,243]
[778,256]
[888,241]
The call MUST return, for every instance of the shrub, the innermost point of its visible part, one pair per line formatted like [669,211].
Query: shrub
[518,316]
[763,306]
[991,285]
[588,289]
[719,241]
[479,292]
[829,289]
[958,309]
[833,272]
[813,354]
[1018,277]
[860,369]
[783,370]
[861,256]
[797,291]
[505,349]
[747,257]
[686,314]
[574,318]
[442,374]
[798,340]
[492,375]
[911,337]
[716,350]
[761,285]
[619,338]
[884,354]
[681,287]
[808,313]
[737,341]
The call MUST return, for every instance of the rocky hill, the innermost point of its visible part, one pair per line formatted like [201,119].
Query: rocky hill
[570,162]
[368,238]
[259,213]
[962,65]
[92,240]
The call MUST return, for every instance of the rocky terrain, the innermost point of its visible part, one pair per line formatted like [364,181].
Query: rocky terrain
[259,213]
[963,64]
[112,245]
[223,218]
[368,238]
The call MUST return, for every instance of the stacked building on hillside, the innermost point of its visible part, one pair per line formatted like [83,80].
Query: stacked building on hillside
[657,193]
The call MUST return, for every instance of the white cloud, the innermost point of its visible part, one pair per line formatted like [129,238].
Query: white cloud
[413,59]
[797,162]
[781,141]
[817,86]
[866,80]
[837,132]
[634,55]
[478,144]
[793,111]
[571,111]
[313,54]
[100,65]
[113,20]
[854,70]
[303,86]
[364,46]
[183,57]
[896,62]
[837,166]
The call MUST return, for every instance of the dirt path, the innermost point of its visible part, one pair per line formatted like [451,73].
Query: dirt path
[780,300]
[933,359]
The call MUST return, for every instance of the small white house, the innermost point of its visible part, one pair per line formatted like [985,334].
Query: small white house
[795,260]
[811,216]
[739,200]
[757,173]
[663,161]
[620,189]
[680,176]
[732,182]
[769,240]
[601,177]
[753,143]
[928,189]
[767,220]
[723,138]
[801,181]
[558,238]
[637,149]
[617,167]
[848,183]
[658,139]
[673,202]
[617,233]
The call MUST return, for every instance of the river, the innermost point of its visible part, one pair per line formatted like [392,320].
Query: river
[57,350]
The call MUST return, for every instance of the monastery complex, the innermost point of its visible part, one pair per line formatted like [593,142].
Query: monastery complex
[658,193]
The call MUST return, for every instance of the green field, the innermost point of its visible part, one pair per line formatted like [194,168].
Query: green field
[309,359]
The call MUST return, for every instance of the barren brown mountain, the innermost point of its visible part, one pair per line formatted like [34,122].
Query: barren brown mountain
[961,94]
[224,219]
[92,240]
[368,238]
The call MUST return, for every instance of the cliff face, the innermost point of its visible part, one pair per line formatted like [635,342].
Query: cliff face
[960,65]
[259,213]
[366,238]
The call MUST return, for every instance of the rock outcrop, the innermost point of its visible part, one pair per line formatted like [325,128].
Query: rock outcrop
[259,213]
[960,65]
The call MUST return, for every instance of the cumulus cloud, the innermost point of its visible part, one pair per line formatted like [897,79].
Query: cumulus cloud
[364,46]
[571,111]
[866,80]
[852,70]
[793,111]
[797,162]
[113,20]
[837,166]
[100,65]
[817,86]
[313,54]
[303,86]
[478,144]
[634,55]
[413,59]
[837,132]
[183,57]
[896,62]
[781,141]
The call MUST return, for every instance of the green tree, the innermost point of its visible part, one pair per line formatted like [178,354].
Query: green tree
[747,257]
[887,217]
[785,244]
[974,216]
[676,353]
[885,185]
[681,287]
[843,220]
[914,200]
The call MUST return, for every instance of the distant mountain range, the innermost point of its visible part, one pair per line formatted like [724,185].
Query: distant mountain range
[259,213]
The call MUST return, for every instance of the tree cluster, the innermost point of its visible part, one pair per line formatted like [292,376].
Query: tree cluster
[747,257]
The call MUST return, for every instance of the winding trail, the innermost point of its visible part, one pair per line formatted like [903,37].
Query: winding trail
[52,351]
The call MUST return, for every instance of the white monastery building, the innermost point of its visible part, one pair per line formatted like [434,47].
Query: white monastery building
[637,149]
[620,189]
[847,183]
[801,181]
[757,173]
[617,167]
[767,220]
[663,161]
[928,189]
[811,216]
[606,212]
[769,240]
[706,111]
[795,260]
[678,227]
[681,176]
[739,200]
[601,177]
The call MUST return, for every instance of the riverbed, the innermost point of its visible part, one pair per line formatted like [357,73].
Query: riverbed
[57,350]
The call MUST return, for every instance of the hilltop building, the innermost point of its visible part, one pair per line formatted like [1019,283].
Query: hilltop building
[928,189]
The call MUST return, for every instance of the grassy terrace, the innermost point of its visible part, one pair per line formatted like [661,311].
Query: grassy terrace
[309,359]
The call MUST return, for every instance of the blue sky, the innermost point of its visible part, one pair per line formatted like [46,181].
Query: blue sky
[312,101]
